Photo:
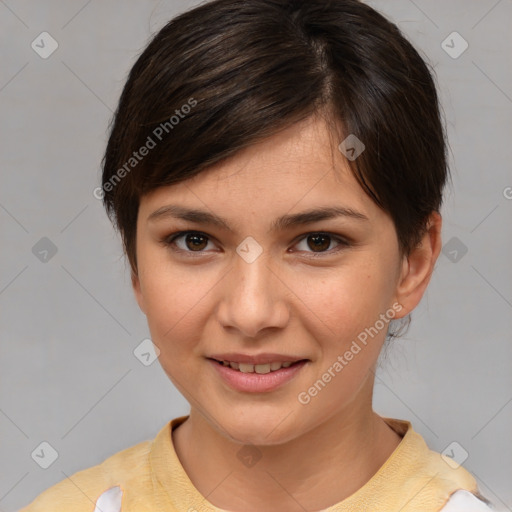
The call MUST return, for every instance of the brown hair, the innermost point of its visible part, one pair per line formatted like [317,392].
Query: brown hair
[228,73]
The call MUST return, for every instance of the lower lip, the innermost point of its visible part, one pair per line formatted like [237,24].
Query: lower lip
[257,382]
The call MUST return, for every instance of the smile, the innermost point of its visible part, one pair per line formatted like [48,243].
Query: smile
[257,368]
[257,378]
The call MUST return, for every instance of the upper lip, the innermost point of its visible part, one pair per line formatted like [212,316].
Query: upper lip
[256,359]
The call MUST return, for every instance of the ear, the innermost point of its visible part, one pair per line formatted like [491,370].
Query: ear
[418,266]
[137,291]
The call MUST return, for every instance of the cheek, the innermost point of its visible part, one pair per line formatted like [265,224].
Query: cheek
[173,299]
[344,301]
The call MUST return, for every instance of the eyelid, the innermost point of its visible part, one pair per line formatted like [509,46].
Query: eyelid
[343,242]
[169,241]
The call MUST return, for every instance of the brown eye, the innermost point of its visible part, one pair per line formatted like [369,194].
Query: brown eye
[319,242]
[187,242]
[196,241]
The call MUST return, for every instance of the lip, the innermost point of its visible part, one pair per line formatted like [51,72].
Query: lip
[257,382]
[264,358]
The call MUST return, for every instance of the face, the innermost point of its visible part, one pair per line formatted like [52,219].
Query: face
[299,265]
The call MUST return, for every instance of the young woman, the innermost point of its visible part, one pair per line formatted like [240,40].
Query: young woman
[276,169]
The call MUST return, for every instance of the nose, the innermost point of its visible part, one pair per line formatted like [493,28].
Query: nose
[254,298]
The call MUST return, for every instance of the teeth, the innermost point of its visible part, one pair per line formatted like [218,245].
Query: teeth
[257,368]
[246,368]
[262,368]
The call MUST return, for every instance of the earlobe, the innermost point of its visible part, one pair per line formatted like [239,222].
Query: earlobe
[418,266]
[138,292]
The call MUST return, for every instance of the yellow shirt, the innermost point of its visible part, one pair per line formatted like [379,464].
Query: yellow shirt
[152,479]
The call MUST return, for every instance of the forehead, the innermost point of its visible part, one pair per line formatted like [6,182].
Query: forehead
[297,168]
[297,153]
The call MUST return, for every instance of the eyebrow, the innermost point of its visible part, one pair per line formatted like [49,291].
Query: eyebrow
[280,224]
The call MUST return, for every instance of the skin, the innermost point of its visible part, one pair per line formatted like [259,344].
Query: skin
[312,455]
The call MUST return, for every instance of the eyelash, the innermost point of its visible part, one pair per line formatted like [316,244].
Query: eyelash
[169,241]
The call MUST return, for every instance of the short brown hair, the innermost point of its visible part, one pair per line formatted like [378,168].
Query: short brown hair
[229,73]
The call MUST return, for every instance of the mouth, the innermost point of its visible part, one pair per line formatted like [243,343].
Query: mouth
[264,368]
[266,374]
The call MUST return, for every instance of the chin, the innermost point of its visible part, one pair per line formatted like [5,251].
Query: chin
[259,428]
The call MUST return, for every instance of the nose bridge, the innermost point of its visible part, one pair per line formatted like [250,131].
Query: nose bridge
[253,300]
[253,277]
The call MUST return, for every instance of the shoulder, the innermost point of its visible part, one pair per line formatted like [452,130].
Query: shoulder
[465,501]
[128,468]
[450,485]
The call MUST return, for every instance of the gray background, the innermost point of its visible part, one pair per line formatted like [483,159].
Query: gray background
[69,325]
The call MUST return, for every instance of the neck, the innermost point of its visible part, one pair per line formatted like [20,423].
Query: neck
[314,471]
